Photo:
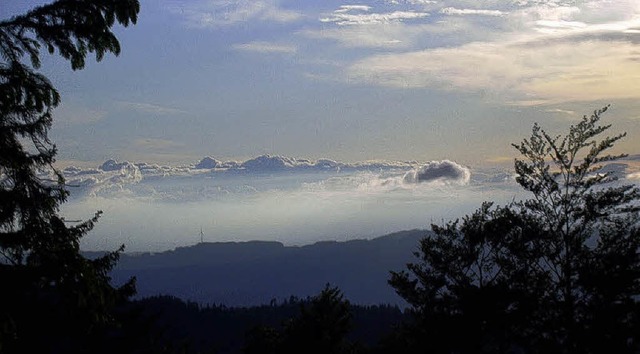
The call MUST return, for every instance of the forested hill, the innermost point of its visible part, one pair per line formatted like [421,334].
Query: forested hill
[253,273]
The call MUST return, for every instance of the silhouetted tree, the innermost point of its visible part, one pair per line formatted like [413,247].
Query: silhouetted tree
[321,327]
[559,272]
[53,298]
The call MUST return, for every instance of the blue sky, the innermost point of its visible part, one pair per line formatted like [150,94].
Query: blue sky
[379,79]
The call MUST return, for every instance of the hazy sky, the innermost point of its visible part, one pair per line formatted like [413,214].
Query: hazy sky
[377,79]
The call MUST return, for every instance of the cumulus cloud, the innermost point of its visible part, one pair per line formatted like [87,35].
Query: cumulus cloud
[109,177]
[208,162]
[266,47]
[130,178]
[439,171]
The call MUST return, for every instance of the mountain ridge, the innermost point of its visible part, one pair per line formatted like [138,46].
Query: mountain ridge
[256,272]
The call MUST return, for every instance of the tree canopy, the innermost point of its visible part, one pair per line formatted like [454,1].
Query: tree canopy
[51,292]
[321,327]
[557,272]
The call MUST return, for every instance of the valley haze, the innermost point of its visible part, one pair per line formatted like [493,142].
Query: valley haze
[153,208]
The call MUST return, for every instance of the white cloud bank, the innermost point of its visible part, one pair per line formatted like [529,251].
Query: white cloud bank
[269,197]
[522,52]
[535,70]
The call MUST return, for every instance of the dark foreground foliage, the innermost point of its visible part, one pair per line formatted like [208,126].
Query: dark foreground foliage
[53,299]
[559,272]
[325,323]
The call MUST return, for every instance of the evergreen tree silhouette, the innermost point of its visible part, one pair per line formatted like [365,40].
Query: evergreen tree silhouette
[559,272]
[321,327]
[53,298]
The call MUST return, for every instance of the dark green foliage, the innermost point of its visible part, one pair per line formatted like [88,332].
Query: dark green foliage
[175,324]
[54,300]
[559,272]
[321,327]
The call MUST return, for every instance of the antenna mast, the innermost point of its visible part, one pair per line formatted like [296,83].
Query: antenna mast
[201,235]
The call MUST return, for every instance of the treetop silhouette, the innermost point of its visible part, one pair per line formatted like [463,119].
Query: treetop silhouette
[52,292]
[557,272]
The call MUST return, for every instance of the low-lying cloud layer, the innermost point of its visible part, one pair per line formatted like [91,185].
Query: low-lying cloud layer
[296,201]
[139,178]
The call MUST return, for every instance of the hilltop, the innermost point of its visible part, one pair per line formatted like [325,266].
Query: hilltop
[253,273]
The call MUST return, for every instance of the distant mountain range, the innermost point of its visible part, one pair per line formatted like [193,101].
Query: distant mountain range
[259,164]
[252,273]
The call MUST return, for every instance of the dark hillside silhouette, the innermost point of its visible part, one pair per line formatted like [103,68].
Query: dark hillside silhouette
[254,273]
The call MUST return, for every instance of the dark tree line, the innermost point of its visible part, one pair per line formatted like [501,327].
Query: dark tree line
[325,323]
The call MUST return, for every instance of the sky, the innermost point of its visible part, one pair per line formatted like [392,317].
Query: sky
[434,92]
[151,207]
[357,80]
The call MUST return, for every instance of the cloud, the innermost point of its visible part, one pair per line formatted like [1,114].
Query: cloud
[534,68]
[220,13]
[455,11]
[281,208]
[344,16]
[548,26]
[208,162]
[113,178]
[561,111]
[347,8]
[396,35]
[439,171]
[382,35]
[411,2]
[266,47]
[518,52]
[150,108]
[548,12]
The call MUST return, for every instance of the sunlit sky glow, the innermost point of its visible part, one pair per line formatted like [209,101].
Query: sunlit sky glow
[394,79]
[438,89]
